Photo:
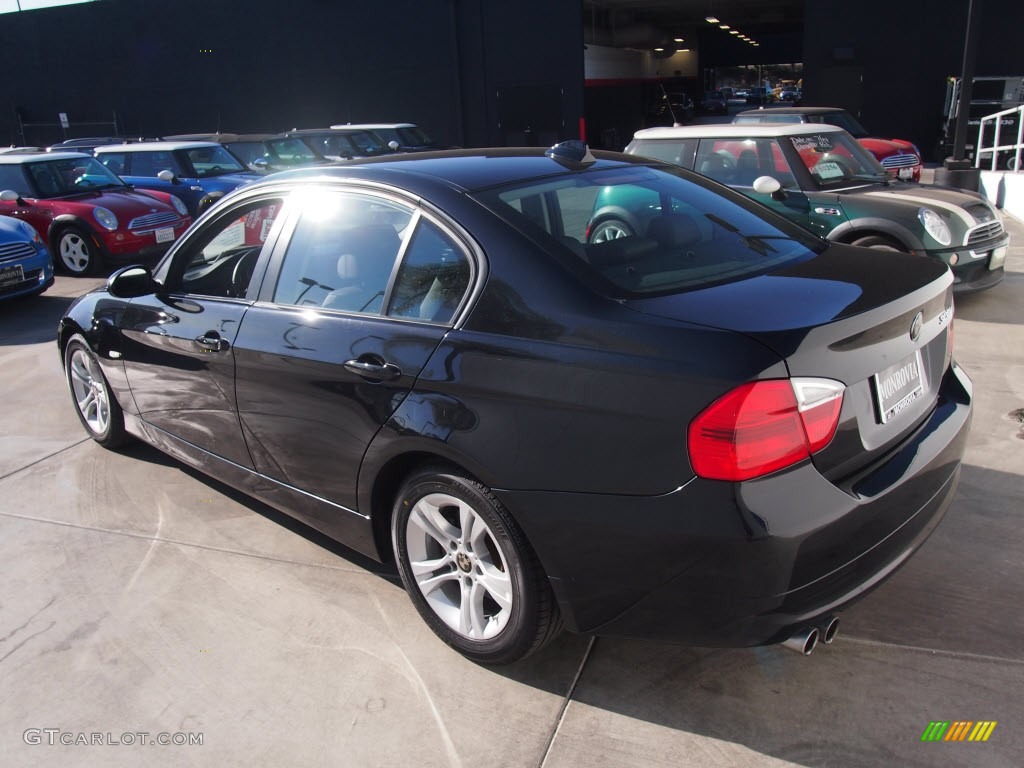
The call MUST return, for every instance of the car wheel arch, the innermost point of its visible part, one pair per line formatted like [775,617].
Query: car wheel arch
[857,229]
[65,220]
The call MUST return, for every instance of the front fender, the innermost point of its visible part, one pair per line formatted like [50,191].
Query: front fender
[96,316]
[849,231]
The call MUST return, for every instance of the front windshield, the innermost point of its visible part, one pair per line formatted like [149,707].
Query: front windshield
[413,136]
[367,143]
[213,161]
[291,152]
[835,158]
[644,231]
[72,175]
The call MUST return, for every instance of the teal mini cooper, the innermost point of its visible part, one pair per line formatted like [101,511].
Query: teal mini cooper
[823,179]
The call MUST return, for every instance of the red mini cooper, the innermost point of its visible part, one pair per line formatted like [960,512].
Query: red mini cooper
[86,213]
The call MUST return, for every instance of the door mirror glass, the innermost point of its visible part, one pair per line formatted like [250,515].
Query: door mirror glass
[131,282]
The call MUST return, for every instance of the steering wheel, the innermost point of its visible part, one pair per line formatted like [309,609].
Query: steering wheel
[241,274]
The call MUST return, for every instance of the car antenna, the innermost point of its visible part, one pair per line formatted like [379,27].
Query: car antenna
[664,93]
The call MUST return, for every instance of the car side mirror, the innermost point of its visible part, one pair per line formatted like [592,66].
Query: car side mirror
[394,145]
[167,176]
[10,196]
[766,185]
[132,282]
[260,164]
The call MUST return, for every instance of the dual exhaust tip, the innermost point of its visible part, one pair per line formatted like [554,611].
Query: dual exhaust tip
[806,640]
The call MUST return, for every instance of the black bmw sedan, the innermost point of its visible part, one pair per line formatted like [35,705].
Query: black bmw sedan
[717,430]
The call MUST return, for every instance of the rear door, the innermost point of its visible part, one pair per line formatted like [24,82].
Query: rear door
[364,292]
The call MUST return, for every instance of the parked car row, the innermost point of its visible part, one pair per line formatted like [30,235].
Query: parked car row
[104,200]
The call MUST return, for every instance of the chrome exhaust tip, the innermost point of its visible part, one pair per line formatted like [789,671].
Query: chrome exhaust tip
[829,629]
[802,642]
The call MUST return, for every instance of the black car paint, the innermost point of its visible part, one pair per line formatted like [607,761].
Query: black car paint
[573,407]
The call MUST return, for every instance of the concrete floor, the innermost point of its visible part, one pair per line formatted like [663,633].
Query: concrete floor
[138,596]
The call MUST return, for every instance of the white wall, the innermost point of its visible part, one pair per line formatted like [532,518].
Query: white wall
[1005,190]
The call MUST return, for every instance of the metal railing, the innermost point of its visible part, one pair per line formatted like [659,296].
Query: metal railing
[996,147]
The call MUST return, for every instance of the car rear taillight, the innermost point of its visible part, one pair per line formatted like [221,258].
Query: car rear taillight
[764,426]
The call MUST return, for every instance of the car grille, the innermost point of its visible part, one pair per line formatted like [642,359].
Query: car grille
[152,221]
[12,251]
[900,161]
[983,232]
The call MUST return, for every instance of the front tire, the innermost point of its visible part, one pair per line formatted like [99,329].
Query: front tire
[77,253]
[610,229]
[95,404]
[469,570]
[879,242]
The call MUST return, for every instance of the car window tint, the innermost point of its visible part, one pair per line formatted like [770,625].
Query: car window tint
[675,151]
[717,158]
[342,252]
[11,177]
[150,164]
[221,263]
[212,161]
[655,230]
[249,151]
[433,278]
[114,161]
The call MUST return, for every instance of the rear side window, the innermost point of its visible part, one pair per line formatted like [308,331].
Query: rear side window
[642,231]
[675,151]
[150,164]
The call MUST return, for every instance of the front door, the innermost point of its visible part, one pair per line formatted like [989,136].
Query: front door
[179,344]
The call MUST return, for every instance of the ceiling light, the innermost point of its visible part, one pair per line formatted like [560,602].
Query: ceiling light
[683,50]
[659,50]
[733,32]
[724,26]
[679,39]
[710,19]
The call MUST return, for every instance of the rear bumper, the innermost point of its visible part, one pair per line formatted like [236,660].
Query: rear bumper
[723,564]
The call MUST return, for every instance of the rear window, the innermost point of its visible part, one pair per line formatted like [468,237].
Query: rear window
[642,231]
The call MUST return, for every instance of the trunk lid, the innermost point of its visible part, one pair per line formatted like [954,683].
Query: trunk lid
[848,314]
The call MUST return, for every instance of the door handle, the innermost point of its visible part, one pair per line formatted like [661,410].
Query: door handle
[380,371]
[212,342]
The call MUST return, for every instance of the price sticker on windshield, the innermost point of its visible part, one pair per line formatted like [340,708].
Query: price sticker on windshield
[828,170]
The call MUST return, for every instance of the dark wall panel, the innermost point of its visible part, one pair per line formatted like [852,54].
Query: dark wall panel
[903,52]
[180,66]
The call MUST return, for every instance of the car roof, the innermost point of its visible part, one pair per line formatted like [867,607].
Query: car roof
[374,126]
[329,131]
[45,157]
[467,169]
[792,111]
[154,146]
[222,138]
[744,131]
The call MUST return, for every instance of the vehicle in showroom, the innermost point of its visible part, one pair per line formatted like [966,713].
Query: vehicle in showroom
[408,136]
[344,143]
[26,268]
[821,178]
[88,215]
[900,158]
[262,153]
[718,431]
[714,103]
[198,172]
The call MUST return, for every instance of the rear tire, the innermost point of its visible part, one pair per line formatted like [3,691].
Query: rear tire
[95,404]
[469,570]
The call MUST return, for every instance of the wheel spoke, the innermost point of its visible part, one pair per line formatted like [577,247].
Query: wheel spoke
[467,519]
[430,584]
[87,402]
[497,584]
[472,620]
[427,517]
[421,567]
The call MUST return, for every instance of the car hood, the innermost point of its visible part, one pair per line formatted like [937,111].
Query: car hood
[127,203]
[970,207]
[228,181]
[886,147]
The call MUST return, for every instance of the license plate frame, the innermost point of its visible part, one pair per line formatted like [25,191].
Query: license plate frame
[899,385]
[906,173]
[165,235]
[998,257]
[12,274]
